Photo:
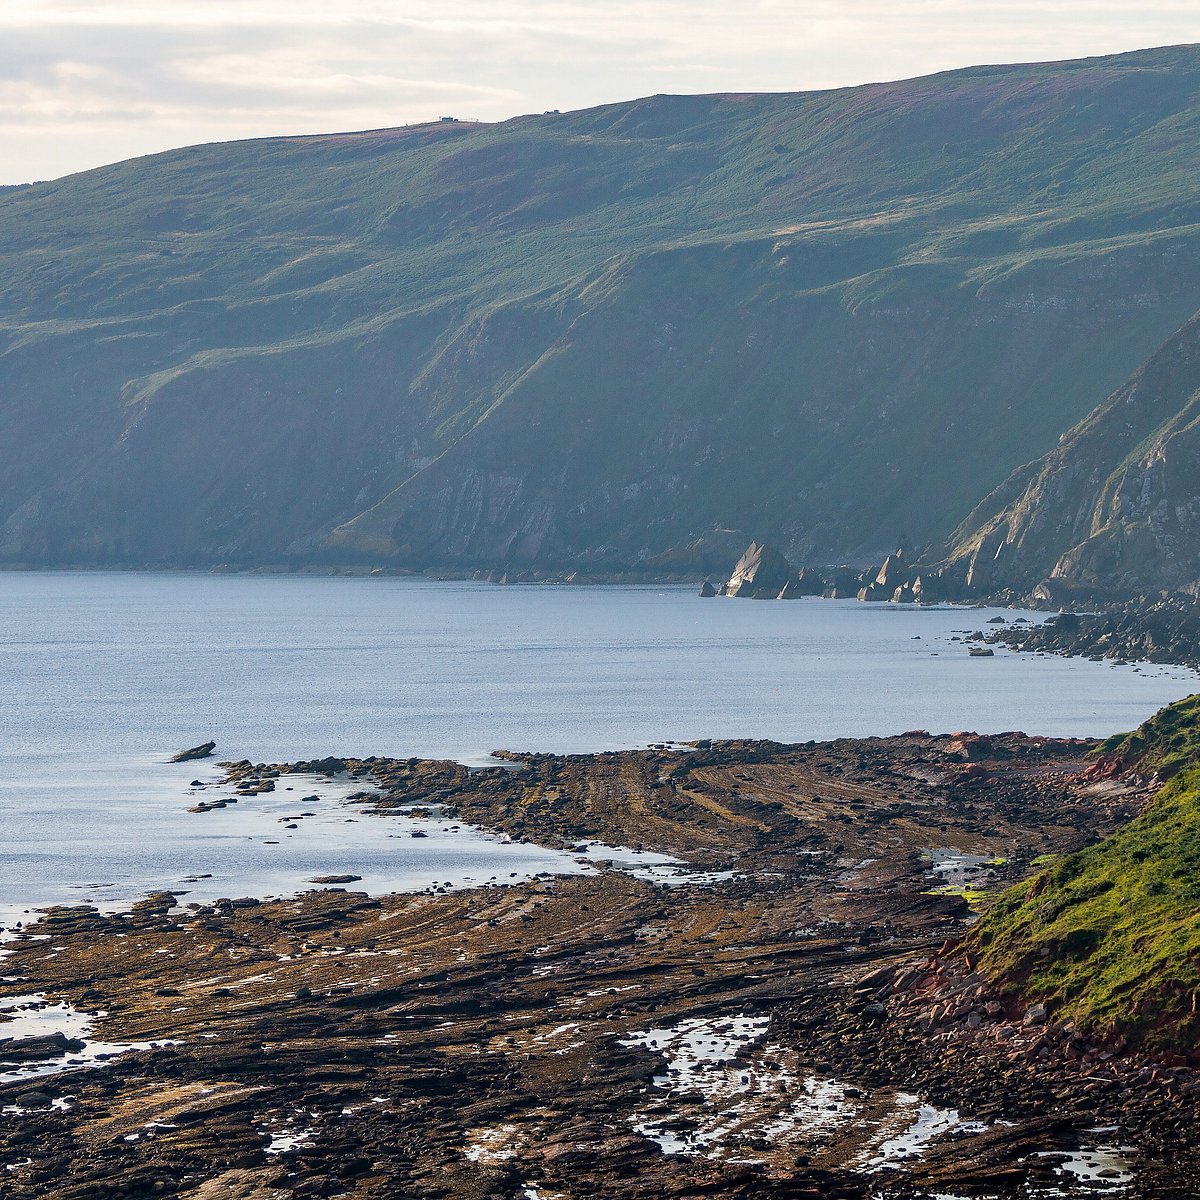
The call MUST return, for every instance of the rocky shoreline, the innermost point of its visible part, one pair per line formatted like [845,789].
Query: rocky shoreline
[797,1026]
[1157,630]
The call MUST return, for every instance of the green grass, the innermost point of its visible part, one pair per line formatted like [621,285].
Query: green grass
[1110,936]
[1165,744]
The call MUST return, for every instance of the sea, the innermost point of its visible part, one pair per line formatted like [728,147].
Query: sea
[103,676]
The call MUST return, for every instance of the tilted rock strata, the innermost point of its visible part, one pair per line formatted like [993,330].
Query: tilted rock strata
[469,1044]
[1114,510]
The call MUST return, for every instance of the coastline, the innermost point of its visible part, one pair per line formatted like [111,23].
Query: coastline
[509,1036]
[502,1039]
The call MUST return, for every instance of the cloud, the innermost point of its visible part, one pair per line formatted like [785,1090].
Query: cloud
[92,81]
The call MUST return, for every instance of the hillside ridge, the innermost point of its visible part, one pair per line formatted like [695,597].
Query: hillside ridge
[622,340]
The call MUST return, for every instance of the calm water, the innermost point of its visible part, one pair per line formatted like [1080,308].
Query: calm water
[103,676]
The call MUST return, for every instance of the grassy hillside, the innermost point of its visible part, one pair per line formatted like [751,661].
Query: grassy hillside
[1165,745]
[597,338]
[1110,937]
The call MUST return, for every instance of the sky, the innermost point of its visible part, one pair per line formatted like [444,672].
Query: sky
[87,82]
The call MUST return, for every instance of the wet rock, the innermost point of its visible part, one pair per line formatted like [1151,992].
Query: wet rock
[386,1036]
[1163,629]
[37,1049]
[201,751]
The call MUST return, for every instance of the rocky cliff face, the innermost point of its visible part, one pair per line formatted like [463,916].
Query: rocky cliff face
[1115,508]
[621,340]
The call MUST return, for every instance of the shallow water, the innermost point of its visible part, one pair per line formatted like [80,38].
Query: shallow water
[33,1016]
[273,844]
[104,675]
[725,1084]
[707,1057]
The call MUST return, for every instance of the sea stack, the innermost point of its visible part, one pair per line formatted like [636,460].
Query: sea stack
[761,573]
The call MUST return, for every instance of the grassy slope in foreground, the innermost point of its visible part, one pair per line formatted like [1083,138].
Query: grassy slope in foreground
[1110,936]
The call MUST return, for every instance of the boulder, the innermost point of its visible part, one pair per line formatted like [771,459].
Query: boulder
[202,751]
[707,590]
[14,1052]
[762,571]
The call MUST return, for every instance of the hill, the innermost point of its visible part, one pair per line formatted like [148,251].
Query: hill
[1110,937]
[628,338]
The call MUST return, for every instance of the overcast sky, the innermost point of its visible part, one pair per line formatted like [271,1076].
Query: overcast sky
[85,82]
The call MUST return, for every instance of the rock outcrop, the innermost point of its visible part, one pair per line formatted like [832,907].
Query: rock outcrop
[806,582]
[201,751]
[762,573]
